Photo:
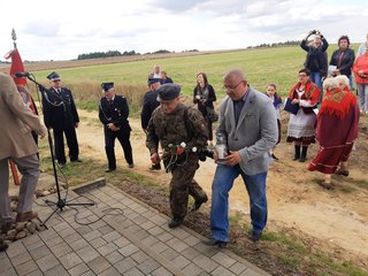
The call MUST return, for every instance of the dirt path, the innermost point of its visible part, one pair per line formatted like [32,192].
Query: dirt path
[295,200]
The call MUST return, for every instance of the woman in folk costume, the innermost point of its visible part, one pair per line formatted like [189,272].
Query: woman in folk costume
[301,130]
[337,128]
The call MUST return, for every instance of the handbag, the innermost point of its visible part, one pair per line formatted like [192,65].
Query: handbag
[212,116]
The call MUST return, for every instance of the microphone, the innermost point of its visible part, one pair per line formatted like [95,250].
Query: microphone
[22,74]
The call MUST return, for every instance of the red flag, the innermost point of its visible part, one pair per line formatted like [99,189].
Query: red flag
[16,66]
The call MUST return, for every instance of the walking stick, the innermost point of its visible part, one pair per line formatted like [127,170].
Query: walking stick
[14,173]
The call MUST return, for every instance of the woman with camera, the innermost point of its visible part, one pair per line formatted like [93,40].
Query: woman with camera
[204,95]
[316,61]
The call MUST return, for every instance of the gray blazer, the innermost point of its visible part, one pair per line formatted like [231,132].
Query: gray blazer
[255,134]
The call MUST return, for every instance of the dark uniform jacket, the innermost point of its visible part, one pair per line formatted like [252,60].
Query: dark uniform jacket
[182,125]
[345,63]
[59,109]
[207,93]
[116,112]
[150,103]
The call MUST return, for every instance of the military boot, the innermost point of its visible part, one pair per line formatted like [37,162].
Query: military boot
[175,222]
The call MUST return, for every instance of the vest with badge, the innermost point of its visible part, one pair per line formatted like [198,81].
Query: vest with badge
[114,111]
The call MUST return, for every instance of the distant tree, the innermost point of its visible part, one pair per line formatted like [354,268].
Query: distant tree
[106,54]
[162,52]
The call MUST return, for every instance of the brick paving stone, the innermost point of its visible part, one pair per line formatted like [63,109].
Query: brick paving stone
[61,249]
[54,241]
[209,251]
[47,262]
[177,244]
[192,270]
[148,266]
[107,248]
[180,233]
[158,219]
[128,250]
[98,242]
[161,272]
[98,264]
[159,247]
[180,262]
[85,229]
[35,245]
[150,240]
[15,249]
[87,253]
[5,265]
[223,259]
[58,270]
[139,256]
[48,235]
[10,272]
[190,253]
[31,240]
[205,263]
[61,226]
[237,268]
[40,252]
[249,272]
[134,272]
[114,257]
[121,242]
[169,254]
[165,236]
[140,219]
[21,258]
[105,229]
[112,236]
[26,268]
[111,271]
[191,240]
[222,271]
[70,260]
[66,232]
[78,244]
[132,229]
[125,265]
[33,273]
[88,273]
[147,225]
[141,234]
[78,270]
[156,230]
[92,235]
[72,237]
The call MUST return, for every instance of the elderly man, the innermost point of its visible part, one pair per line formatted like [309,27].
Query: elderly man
[17,144]
[248,121]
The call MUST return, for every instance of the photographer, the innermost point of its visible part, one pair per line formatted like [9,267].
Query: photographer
[17,144]
[316,60]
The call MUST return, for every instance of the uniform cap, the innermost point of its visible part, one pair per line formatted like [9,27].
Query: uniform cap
[53,76]
[168,92]
[106,86]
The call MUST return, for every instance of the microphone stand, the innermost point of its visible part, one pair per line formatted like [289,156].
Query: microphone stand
[61,203]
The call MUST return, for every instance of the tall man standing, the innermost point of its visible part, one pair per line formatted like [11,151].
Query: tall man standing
[180,130]
[113,113]
[248,121]
[150,103]
[60,114]
[17,144]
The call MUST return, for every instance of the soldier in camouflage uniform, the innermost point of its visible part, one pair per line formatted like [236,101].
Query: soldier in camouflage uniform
[171,124]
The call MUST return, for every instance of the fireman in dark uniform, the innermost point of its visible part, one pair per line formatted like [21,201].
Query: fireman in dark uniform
[60,114]
[113,113]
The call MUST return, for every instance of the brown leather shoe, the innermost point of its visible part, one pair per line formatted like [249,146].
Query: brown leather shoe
[21,217]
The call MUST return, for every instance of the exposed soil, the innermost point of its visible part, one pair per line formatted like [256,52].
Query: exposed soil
[326,218]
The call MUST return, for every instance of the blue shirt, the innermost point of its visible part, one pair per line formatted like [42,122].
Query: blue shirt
[238,106]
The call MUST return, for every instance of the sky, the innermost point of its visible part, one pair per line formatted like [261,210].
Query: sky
[48,30]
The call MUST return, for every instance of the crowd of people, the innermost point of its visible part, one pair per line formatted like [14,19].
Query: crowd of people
[249,128]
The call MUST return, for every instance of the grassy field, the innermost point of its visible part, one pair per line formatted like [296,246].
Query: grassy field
[262,66]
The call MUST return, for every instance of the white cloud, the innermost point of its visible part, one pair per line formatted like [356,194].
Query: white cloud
[72,27]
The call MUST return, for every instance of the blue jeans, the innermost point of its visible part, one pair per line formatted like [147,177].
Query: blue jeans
[316,78]
[222,184]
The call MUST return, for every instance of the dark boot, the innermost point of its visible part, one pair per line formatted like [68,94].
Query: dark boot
[304,154]
[297,152]
[175,222]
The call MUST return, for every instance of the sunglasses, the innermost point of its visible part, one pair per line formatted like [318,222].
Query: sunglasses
[228,87]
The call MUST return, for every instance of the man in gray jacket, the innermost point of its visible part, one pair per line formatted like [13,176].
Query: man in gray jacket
[248,121]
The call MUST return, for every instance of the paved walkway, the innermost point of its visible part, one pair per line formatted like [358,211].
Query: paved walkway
[134,241]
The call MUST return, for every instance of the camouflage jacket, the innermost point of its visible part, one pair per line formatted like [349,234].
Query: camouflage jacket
[172,129]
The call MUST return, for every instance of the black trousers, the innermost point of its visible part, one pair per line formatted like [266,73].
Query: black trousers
[71,140]
[124,139]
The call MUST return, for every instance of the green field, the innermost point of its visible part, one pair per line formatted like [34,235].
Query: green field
[262,66]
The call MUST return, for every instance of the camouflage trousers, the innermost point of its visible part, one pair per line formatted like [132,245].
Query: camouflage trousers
[182,185]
